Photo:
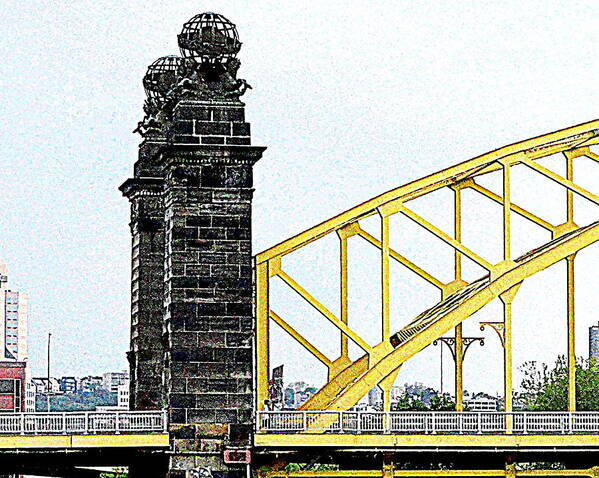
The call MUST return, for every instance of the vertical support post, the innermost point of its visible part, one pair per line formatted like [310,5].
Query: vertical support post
[457,226]
[571,337]
[510,467]
[507,204]
[569,193]
[507,318]
[262,334]
[388,468]
[459,341]
[343,291]
[570,299]
[508,298]
[385,276]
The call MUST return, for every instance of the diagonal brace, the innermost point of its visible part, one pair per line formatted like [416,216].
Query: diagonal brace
[300,338]
[403,261]
[446,238]
[561,180]
[324,311]
[517,209]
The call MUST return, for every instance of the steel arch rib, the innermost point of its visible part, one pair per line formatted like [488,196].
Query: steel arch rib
[456,311]
[580,136]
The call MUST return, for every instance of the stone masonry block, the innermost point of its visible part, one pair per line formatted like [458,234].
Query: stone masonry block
[213,128]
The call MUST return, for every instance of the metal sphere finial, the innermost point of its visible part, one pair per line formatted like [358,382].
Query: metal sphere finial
[161,76]
[208,38]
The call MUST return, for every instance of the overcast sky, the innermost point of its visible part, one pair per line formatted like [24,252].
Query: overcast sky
[351,97]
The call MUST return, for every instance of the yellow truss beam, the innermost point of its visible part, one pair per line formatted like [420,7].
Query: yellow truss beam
[584,134]
[533,263]
[591,155]
[300,338]
[517,209]
[560,180]
[403,260]
[446,238]
[324,311]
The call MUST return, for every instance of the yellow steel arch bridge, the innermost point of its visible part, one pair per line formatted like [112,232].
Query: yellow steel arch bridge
[327,418]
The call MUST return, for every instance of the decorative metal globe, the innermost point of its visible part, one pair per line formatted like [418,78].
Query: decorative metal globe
[208,38]
[161,76]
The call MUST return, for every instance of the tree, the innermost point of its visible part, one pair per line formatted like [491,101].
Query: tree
[409,402]
[546,389]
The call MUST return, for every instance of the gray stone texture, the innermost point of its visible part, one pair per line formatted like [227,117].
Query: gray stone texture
[192,288]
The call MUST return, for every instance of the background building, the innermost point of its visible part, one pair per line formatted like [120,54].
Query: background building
[594,342]
[90,383]
[68,384]
[111,381]
[12,386]
[13,320]
[123,396]
[40,385]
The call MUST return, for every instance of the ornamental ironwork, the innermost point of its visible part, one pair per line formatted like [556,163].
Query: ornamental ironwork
[207,71]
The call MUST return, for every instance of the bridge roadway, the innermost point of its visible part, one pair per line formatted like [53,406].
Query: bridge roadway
[71,440]
[55,444]
[532,433]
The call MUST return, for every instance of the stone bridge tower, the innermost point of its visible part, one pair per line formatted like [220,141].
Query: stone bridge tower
[191,198]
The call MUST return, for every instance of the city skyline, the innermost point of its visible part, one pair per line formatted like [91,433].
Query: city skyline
[64,231]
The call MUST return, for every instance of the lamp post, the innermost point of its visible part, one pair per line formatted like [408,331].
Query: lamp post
[48,385]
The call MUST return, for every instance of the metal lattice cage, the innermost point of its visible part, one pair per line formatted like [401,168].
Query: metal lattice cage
[209,37]
[161,76]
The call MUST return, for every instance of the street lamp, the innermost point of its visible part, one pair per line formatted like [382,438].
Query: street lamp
[48,384]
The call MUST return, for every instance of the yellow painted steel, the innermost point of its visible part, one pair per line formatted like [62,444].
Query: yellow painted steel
[343,291]
[324,311]
[508,298]
[583,135]
[517,209]
[413,441]
[388,472]
[507,280]
[458,246]
[300,339]
[571,345]
[402,260]
[262,334]
[385,331]
[84,441]
[507,209]
[349,381]
[459,338]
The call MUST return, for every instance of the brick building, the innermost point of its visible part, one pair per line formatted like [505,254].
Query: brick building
[13,386]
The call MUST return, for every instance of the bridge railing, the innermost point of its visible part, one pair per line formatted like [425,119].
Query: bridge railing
[69,423]
[553,423]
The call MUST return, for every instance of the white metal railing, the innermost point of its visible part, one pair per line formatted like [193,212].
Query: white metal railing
[545,423]
[68,423]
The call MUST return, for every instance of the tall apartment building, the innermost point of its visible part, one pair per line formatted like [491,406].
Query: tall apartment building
[13,320]
[594,342]
[111,381]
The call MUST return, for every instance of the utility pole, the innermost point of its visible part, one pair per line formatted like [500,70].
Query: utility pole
[48,385]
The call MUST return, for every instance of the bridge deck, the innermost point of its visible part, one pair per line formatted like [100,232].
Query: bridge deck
[82,430]
[428,429]
[71,442]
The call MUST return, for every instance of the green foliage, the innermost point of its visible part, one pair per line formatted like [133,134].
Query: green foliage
[291,467]
[546,389]
[76,402]
[409,402]
[115,473]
